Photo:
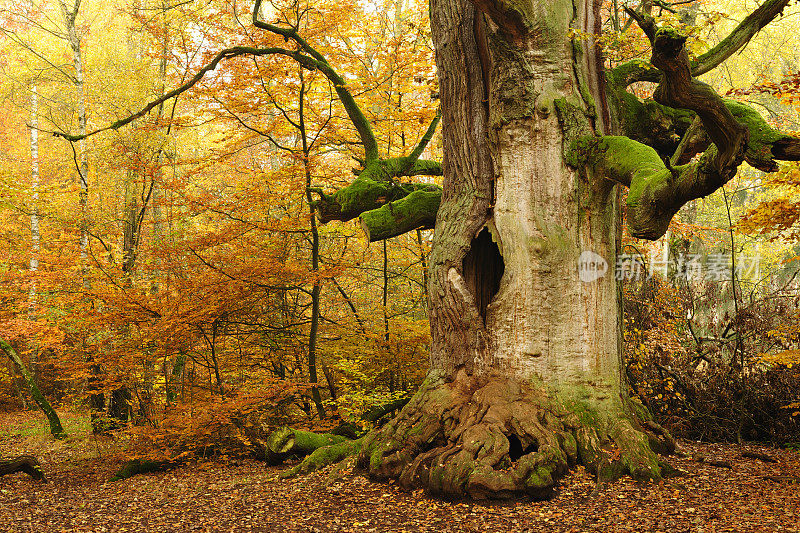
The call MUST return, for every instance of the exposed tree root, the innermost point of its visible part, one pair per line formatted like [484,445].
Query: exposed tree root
[499,438]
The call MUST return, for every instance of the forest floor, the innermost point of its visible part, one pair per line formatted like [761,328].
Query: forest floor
[245,495]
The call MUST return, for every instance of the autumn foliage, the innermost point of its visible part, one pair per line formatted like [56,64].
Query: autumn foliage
[189,321]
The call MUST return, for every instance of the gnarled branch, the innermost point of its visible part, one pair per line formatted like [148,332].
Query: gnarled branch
[679,89]
[354,112]
[656,192]
[638,70]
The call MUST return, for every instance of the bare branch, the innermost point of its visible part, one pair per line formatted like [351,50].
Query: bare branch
[739,37]
[228,53]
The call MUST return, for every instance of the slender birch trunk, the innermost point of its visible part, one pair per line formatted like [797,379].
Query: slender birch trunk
[74,39]
[33,267]
[35,235]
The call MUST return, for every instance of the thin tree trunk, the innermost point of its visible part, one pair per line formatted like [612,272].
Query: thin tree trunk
[13,373]
[385,307]
[74,39]
[317,288]
[158,177]
[56,429]
[35,235]
[33,267]
[177,372]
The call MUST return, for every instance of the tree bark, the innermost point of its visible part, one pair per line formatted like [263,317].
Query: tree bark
[24,463]
[56,429]
[35,234]
[70,17]
[525,376]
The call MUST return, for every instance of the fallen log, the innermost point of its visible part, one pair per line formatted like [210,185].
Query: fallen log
[700,458]
[379,411]
[760,456]
[24,463]
[285,442]
[782,479]
[143,466]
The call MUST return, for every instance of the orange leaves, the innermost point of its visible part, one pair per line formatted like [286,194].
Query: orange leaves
[778,215]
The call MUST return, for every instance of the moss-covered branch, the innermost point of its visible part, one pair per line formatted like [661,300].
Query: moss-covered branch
[736,133]
[656,192]
[424,167]
[375,187]
[56,429]
[765,145]
[731,133]
[663,128]
[417,210]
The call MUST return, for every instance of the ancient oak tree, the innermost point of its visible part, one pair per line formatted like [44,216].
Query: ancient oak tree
[525,369]
[525,375]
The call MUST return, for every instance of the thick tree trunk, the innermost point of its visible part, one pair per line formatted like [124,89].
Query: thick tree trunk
[525,376]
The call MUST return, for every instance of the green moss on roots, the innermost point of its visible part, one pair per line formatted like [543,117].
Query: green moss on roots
[498,438]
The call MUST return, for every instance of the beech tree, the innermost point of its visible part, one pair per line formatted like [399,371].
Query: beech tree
[525,376]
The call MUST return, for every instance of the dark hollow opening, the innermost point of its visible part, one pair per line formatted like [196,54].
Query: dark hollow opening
[483,267]
[516,450]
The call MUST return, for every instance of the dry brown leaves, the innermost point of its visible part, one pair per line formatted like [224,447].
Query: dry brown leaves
[245,496]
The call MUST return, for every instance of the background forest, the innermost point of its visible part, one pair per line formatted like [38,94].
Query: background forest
[169,277]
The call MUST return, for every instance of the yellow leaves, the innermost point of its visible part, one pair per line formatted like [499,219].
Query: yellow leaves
[787,358]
